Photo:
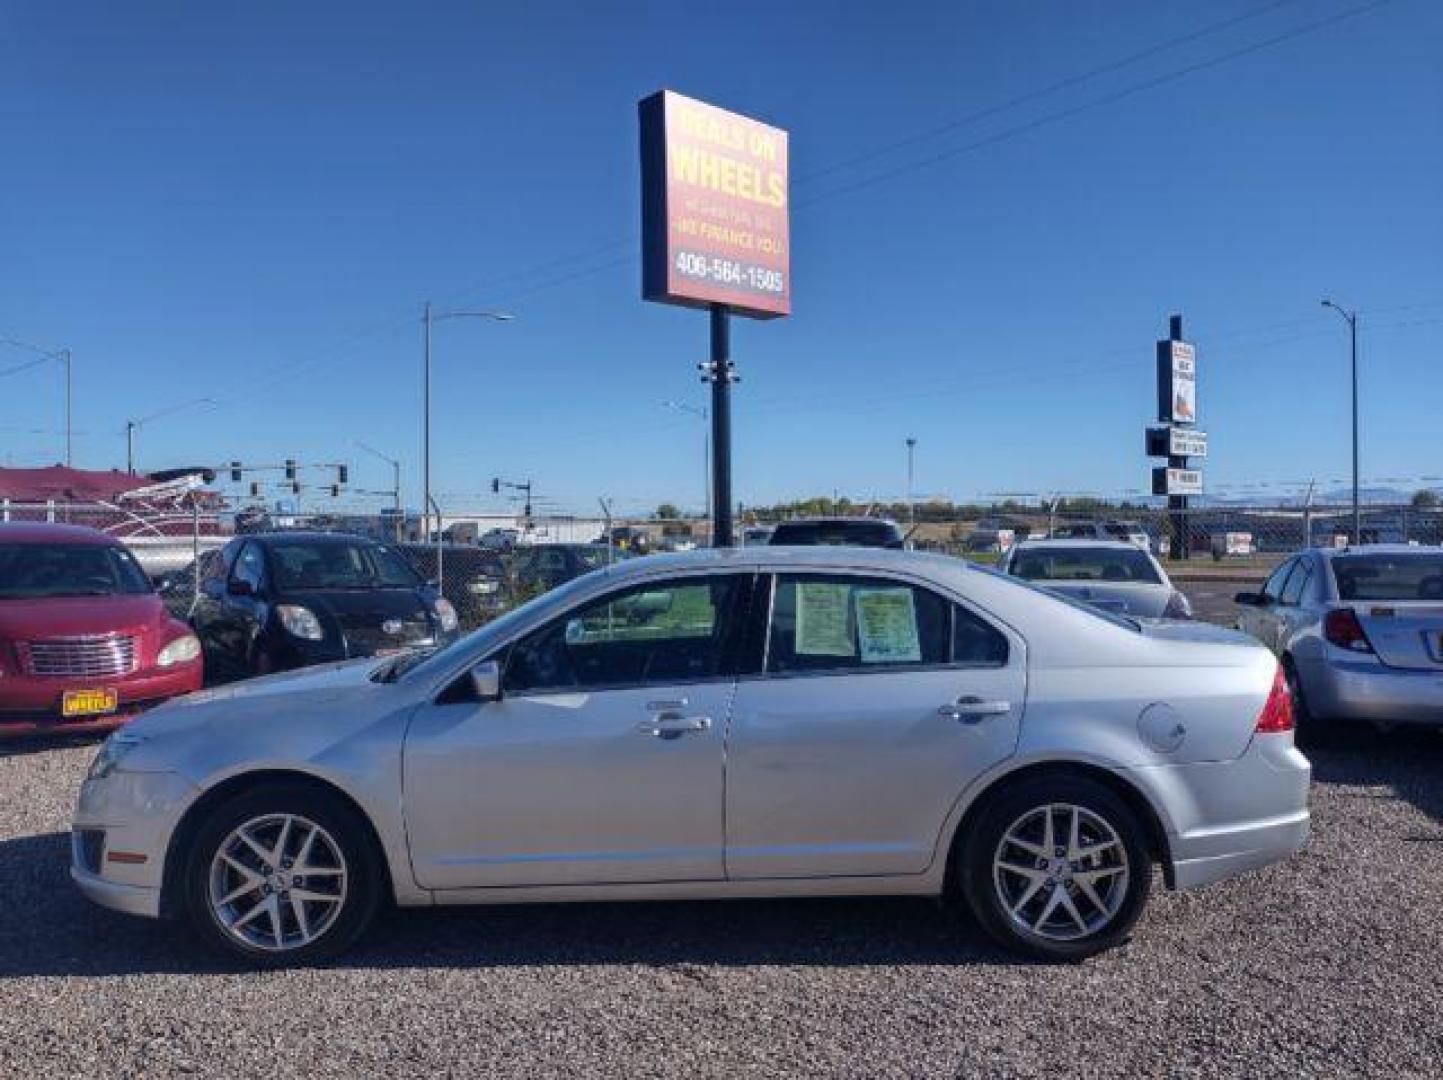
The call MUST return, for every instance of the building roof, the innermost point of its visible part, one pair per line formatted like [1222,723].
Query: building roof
[60,482]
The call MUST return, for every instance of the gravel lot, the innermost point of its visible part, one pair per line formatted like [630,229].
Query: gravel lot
[1326,966]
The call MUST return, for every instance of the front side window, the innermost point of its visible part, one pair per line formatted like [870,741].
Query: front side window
[1273,587]
[40,570]
[1085,564]
[654,634]
[1293,591]
[300,564]
[822,623]
[250,566]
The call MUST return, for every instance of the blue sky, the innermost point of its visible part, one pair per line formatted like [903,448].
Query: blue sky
[250,202]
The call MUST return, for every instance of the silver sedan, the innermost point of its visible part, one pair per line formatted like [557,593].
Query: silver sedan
[762,722]
[1359,631]
[1115,575]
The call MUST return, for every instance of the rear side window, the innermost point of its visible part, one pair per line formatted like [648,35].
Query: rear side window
[1273,587]
[826,623]
[1390,577]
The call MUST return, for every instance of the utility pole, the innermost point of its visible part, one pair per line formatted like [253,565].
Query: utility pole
[1351,317]
[69,409]
[130,447]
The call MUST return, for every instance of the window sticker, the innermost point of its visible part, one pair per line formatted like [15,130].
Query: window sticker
[887,626]
[822,628]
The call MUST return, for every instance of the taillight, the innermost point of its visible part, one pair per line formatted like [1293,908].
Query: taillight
[1342,628]
[1277,714]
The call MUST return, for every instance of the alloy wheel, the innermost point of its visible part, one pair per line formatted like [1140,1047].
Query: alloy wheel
[278,882]
[1061,872]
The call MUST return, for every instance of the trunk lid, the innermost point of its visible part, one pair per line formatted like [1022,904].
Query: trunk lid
[1403,634]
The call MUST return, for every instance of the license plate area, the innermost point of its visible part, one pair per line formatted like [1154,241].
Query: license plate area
[76,703]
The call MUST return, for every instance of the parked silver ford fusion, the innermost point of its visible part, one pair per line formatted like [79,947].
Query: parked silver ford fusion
[757,722]
[1359,631]
[1115,575]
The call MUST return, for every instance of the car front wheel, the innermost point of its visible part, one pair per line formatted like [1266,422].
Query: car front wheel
[1057,868]
[280,875]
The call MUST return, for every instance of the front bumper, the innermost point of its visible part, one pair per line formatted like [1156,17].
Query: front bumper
[1371,691]
[31,706]
[121,833]
[1225,818]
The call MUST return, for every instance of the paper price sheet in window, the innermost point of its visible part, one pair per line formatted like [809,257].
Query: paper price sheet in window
[887,626]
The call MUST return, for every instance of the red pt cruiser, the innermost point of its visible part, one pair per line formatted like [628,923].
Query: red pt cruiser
[85,642]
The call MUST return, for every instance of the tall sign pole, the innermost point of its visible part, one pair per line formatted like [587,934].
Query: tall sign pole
[715,236]
[1179,439]
[721,376]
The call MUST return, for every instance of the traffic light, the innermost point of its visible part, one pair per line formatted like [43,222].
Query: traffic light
[496,485]
[295,488]
[290,468]
[335,490]
[235,472]
[255,489]
[342,474]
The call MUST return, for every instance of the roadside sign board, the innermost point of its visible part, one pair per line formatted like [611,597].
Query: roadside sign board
[1176,442]
[1176,382]
[714,208]
[1167,481]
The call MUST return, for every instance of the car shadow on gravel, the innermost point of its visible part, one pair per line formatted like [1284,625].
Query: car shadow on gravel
[48,929]
[1409,763]
[40,744]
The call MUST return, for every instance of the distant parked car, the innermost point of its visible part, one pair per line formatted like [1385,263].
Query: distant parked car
[542,567]
[285,600]
[1114,575]
[500,539]
[995,534]
[629,538]
[85,641]
[472,579]
[833,531]
[1127,531]
[752,722]
[1359,631]
[753,535]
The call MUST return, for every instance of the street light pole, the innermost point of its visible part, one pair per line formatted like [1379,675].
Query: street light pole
[395,484]
[1352,319]
[911,502]
[69,411]
[130,447]
[427,318]
[132,426]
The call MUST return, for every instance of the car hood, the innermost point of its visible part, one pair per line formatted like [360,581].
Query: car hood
[72,616]
[284,720]
[349,604]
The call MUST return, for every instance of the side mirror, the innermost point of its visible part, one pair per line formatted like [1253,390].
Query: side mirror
[237,587]
[1250,599]
[486,680]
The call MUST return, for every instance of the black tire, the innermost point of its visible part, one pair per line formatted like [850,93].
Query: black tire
[364,873]
[1125,897]
[1307,731]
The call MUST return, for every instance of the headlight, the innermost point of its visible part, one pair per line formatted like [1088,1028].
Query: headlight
[300,622]
[111,752]
[447,614]
[484,587]
[180,651]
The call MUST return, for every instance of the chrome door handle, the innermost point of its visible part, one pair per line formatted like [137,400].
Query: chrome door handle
[969,710]
[673,727]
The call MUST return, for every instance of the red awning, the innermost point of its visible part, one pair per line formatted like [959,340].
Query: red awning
[62,484]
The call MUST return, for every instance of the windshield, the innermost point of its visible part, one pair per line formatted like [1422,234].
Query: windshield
[1085,564]
[300,564]
[31,570]
[1390,577]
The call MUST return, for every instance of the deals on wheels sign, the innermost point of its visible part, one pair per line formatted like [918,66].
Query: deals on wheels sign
[714,208]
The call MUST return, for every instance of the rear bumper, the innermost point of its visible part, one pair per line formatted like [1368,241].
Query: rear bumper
[1356,691]
[31,706]
[1225,818]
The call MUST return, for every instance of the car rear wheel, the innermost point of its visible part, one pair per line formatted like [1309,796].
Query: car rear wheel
[280,875]
[1056,867]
